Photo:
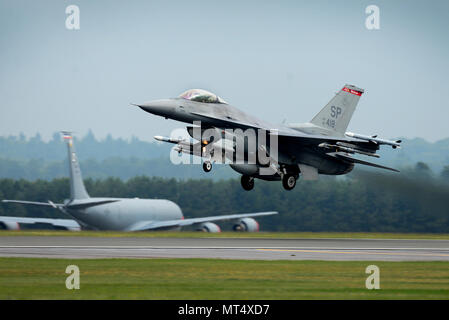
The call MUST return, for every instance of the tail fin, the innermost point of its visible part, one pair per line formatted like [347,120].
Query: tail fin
[77,189]
[338,112]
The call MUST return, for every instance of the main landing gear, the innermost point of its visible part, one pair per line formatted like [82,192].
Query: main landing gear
[207,166]
[289,181]
[247,182]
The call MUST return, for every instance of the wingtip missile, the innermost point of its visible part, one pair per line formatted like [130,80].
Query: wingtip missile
[167,139]
[161,138]
[52,204]
[394,144]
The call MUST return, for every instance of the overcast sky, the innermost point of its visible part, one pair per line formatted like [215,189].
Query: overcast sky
[278,60]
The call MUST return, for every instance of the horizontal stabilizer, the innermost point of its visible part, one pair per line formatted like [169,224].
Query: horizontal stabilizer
[46,204]
[78,204]
[346,157]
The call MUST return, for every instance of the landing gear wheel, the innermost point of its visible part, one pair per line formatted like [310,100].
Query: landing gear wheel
[207,166]
[247,182]
[289,181]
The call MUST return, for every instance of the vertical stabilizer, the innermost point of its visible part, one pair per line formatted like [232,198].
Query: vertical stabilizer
[77,189]
[338,112]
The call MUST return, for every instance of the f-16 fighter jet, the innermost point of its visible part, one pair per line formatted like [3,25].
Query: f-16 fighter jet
[258,149]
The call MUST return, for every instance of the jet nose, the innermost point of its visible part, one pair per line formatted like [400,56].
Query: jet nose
[158,107]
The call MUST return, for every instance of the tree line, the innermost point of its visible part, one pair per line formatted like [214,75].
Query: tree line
[364,201]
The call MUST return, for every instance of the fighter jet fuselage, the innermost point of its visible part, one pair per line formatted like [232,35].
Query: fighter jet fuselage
[218,115]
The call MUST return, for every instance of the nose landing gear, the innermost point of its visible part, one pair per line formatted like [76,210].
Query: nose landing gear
[207,166]
[247,182]
[289,181]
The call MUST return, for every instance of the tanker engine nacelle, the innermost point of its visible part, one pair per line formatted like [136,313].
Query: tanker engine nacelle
[247,224]
[209,227]
[9,225]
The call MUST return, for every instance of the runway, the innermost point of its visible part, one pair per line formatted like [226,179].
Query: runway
[224,248]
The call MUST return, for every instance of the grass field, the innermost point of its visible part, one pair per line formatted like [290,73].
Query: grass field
[40,278]
[186,234]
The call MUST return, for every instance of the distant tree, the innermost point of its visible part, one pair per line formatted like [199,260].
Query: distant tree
[89,137]
[422,170]
[422,167]
[36,139]
[445,173]
[56,137]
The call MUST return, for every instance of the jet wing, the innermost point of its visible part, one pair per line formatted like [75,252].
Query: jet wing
[226,123]
[45,204]
[154,225]
[340,146]
[79,204]
[61,223]
[314,139]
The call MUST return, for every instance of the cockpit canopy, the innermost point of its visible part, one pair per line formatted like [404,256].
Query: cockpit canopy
[200,95]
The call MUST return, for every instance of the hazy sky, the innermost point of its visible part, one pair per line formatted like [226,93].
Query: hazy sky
[278,59]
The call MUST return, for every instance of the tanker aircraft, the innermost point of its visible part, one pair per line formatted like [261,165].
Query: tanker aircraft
[121,214]
[321,146]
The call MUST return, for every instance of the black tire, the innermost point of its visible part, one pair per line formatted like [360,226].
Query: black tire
[289,181]
[247,182]
[207,166]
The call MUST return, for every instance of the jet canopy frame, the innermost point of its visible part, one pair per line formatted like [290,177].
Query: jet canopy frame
[200,95]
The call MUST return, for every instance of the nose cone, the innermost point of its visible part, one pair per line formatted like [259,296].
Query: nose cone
[162,107]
